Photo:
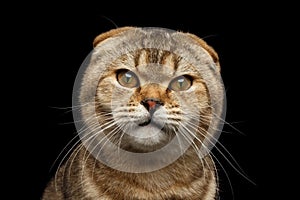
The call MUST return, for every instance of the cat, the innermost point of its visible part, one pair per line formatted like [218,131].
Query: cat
[148,107]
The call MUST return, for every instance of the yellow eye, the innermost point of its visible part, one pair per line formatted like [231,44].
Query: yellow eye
[127,79]
[180,83]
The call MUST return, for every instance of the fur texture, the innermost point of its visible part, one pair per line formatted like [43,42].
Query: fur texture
[157,60]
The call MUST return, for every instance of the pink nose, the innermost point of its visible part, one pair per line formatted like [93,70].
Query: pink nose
[151,104]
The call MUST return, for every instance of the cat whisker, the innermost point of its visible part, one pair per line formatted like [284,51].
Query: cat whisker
[179,142]
[65,156]
[240,170]
[226,174]
[110,20]
[72,149]
[216,173]
[195,127]
[70,108]
[107,137]
[89,135]
[224,148]
[191,140]
[199,153]
[217,141]
[73,154]
[96,132]
[124,128]
[229,124]
[74,145]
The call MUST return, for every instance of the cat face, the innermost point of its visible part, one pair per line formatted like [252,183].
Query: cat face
[150,94]
[148,90]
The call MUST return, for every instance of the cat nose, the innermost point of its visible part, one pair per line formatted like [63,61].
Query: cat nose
[151,104]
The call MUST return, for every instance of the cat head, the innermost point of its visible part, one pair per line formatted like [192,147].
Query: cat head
[145,88]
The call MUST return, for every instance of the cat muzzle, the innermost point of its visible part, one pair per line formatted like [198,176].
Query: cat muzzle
[151,104]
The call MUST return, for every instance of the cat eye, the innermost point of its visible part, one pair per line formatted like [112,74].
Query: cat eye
[180,83]
[127,78]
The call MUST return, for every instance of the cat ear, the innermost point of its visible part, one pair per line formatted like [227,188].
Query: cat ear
[100,38]
[208,48]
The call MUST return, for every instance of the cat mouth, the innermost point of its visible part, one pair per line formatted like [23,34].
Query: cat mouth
[145,123]
[151,123]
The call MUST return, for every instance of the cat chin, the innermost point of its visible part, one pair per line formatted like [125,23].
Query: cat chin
[146,138]
[139,147]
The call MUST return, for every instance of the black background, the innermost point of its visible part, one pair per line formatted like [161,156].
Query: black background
[51,41]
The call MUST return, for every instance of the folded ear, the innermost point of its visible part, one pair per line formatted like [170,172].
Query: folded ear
[208,48]
[100,38]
